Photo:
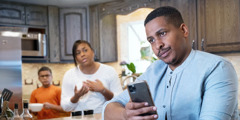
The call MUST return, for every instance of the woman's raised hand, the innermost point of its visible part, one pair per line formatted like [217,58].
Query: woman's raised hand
[82,91]
[95,86]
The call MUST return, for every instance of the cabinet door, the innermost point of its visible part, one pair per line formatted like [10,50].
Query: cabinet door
[54,38]
[219,25]
[189,14]
[36,15]
[103,35]
[108,37]
[73,26]
[12,14]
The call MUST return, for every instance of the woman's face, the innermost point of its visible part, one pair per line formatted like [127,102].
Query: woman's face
[84,55]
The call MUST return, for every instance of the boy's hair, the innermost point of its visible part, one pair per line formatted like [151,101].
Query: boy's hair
[44,68]
[171,14]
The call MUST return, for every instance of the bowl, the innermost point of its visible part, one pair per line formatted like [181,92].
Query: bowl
[35,107]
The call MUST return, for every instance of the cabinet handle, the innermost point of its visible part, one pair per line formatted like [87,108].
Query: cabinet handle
[23,15]
[95,56]
[202,44]
[193,44]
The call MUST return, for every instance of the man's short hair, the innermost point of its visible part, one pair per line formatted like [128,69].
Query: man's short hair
[44,68]
[171,14]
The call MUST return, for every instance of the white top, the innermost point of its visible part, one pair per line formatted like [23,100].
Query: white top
[92,100]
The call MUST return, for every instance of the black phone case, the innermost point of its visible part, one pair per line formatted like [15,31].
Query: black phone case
[139,92]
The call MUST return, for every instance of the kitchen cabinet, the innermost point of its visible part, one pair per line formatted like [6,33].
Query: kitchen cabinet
[103,36]
[213,25]
[36,15]
[219,25]
[18,14]
[73,26]
[108,44]
[54,37]
[12,13]
[103,25]
[189,14]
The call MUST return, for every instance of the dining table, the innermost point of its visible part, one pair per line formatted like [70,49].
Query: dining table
[96,116]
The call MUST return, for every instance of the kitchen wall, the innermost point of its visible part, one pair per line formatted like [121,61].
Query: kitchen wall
[30,78]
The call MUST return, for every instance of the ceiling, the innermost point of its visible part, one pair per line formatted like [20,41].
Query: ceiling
[62,3]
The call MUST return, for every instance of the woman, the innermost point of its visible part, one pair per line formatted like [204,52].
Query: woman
[90,83]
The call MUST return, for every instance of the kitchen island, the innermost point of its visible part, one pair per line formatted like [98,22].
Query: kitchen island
[97,116]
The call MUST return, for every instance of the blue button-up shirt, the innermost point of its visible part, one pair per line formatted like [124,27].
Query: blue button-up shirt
[203,87]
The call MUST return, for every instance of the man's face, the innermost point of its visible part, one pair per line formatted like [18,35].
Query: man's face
[45,77]
[169,43]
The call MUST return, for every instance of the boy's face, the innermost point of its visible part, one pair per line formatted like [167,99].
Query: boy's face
[45,77]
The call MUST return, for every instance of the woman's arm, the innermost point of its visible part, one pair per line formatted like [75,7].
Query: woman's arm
[68,92]
[107,94]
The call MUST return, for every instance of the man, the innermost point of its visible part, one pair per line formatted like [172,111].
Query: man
[48,94]
[185,84]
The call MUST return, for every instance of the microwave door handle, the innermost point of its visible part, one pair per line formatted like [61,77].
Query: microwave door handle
[40,43]
[44,45]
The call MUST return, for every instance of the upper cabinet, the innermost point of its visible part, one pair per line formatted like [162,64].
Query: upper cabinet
[189,14]
[36,15]
[103,25]
[73,26]
[23,14]
[219,25]
[214,25]
[12,14]
[108,43]
[103,36]
[54,38]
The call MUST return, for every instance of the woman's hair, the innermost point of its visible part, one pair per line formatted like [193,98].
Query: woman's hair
[171,14]
[74,48]
[44,68]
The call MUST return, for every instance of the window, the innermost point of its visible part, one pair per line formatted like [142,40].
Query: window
[133,46]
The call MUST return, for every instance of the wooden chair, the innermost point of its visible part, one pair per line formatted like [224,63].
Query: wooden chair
[127,79]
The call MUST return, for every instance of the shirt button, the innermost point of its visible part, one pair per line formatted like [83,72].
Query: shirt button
[163,106]
[167,86]
[171,72]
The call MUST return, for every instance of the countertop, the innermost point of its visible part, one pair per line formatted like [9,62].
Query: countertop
[97,116]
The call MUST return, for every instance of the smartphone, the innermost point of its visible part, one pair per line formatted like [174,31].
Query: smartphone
[139,92]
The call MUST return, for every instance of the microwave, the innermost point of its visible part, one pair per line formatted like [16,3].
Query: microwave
[33,45]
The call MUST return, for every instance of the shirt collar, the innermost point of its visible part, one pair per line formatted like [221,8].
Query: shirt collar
[183,65]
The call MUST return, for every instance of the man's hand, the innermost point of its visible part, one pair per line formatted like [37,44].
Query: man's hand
[133,111]
[95,86]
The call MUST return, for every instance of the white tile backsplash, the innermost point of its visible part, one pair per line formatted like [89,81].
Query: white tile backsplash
[29,72]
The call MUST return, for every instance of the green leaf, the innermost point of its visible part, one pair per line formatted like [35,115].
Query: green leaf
[131,67]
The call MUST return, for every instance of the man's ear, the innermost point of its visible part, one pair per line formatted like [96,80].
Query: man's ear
[184,29]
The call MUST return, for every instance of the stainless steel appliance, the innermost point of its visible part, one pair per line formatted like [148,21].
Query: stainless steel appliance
[10,68]
[34,44]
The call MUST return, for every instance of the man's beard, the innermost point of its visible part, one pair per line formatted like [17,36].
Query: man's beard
[172,62]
